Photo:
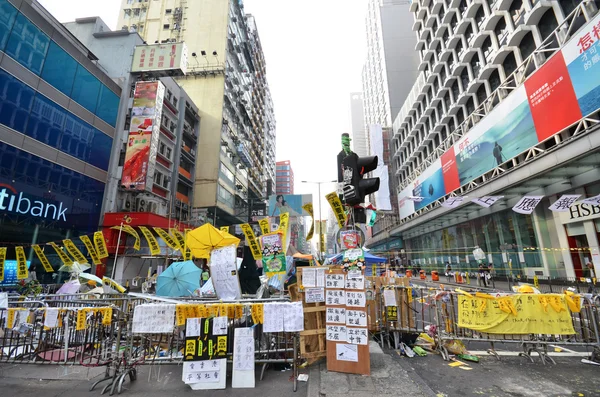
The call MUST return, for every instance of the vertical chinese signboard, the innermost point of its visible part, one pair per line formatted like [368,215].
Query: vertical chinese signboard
[569,81]
[142,144]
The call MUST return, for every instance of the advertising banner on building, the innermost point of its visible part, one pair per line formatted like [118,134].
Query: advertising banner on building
[290,203]
[142,145]
[155,57]
[561,92]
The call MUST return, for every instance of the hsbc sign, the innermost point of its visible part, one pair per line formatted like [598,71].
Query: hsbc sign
[17,202]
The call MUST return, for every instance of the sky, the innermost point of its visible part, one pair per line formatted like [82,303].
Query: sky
[315,50]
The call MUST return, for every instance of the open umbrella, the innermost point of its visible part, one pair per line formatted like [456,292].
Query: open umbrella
[70,287]
[205,238]
[76,267]
[110,286]
[179,279]
[92,277]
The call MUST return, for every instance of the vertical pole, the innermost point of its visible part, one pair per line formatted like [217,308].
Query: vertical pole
[320,226]
[117,252]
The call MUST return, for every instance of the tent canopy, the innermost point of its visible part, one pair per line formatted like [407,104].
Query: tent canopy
[369,258]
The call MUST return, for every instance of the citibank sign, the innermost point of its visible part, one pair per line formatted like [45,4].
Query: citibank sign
[13,201]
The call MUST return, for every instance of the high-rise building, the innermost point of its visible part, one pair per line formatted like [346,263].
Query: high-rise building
[226,79]
[284,178]
[501,108]
[58,112]
[391,66]
[360,144]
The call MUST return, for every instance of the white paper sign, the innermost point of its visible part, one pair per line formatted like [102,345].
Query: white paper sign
[320,277]
[335,297]
[314,295]
[486,201]
[344,352]
[355,283]
[51,319]
[153,319]
[309,277]
[356,318]
[336,315]
[336,333]
[273,317]
[564,202]
[220,325]
[389,297]
[334,280]
[527,204]
[3,300]
[592,200]
[223,271]
[208,371]
[354,274]
[356,299]
[293,317]
[192,327]
[453,202]
[243,349]
[357,336]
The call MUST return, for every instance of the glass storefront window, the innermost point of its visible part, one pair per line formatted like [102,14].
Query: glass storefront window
[86,89]
[108,106]
[27,44]
[8,14]
[59,69]
[15,102]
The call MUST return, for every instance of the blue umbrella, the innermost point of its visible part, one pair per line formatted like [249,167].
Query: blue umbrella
[180,279]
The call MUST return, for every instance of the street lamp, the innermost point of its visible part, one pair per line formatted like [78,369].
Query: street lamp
[321,224]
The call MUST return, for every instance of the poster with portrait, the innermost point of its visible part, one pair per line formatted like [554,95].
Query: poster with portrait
[274,261]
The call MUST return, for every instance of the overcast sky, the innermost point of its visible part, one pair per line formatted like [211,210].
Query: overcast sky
[314,50]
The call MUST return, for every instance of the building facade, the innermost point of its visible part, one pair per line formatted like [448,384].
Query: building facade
[284,178]
[226,79]
[58,113]
[501,108]
[360,139]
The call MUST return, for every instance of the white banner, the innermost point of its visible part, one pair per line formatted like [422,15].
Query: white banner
[527,204]
[486,201]
[592,200]
[564,202]
[415,198]
[453,202]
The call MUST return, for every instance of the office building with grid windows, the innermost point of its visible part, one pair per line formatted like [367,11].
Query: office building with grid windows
[505,104]
[284,175]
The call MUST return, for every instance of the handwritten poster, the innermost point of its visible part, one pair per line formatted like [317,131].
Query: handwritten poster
[220,326]
[206,371]
[309,277]
[346,352]
[51,318]
[356,318]
[355,283]
[336,315]
[336,333]
[153,319]
[192,327]
[357,336]
[243,349]
[320,277]
[356,299]
[335,297]
[389,297]
[223,270]
[314,295]
[273,317]
[3,300]
[207,345]
[334,280]
[293,317]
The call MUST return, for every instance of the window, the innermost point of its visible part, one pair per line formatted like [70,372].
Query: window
[168,11]
[108,106]
[481,94]
[8,14]
[161,147]
[85,89]
[27,44]
[46,121]
[509,64]
[547,23]
[59,69]
[527,45]
[568,5]
[166,26]
[127,13]
[158,177]
[168,153]
[15,102]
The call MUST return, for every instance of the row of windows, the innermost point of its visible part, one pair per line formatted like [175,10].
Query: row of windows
[33,49]
[26,111]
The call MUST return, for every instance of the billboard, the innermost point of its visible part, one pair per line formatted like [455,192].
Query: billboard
[157,57]
[142,144]
[382,196]
[561,92]
[292,203]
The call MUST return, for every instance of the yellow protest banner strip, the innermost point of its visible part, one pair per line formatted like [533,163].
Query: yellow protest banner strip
[187,254]
[22,271]
[309,208]
[81,322]
[74,251]
[100,244]
[265,226]
[66,260]
[322,236]
[252,242]
[517,314]
[178,237]
[91,249]
[152,243]
[284,220]
[257,311]
[42,257]
[2,259]
[170,241]
[337,207]
[129,230]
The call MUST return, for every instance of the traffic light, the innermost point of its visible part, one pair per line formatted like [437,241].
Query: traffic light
[351,169]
